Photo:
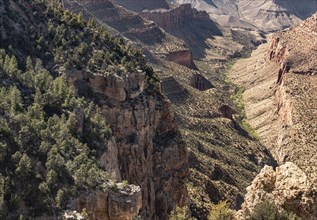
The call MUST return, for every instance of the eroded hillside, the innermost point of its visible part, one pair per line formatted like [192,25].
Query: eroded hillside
[280,94]
[265,15]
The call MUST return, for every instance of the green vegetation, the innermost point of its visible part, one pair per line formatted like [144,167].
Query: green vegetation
[39,141]
[221,211]
[269,211]
[237,100]
[180,214]
[43,140]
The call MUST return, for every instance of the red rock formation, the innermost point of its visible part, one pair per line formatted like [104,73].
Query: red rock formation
[284,114]
[174,18]
[182,57]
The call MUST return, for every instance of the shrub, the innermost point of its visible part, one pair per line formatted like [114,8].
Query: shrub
[269,211]
[180,214]
[221,211]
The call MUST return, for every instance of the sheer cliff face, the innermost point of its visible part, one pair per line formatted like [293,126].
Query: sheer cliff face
[151,153]
[266,15]
[280,81]
[147,149]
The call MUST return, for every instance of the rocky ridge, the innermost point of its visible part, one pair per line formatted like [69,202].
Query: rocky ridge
[280,84]
[210,131]
[266,15]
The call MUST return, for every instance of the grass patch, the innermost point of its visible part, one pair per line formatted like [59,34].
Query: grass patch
[236,99]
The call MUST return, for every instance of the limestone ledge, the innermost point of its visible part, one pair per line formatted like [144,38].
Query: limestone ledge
[113,86]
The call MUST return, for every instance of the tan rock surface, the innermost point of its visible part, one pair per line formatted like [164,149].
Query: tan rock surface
[109,205]
[288,187]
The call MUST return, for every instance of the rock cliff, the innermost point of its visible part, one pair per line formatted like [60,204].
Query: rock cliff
[186,23]
[146,149]
[175,17]
[121,205]
[182,57]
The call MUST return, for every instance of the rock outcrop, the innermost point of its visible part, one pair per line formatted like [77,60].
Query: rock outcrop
[121,205]
[175,17]
[187,23]
[182,57]
[151,153]
[146,148]
[113,86]
[200,82]
[288,187]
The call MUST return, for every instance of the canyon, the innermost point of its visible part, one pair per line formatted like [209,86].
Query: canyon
[279,81]
[190,119]
[264,15]
[197,92]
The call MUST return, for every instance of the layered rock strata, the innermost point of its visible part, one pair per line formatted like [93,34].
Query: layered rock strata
[174,18]
[182,57]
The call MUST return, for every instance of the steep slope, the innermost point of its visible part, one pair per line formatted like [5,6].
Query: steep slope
[155,42]
[223,157]
[188,24]
[266,15]
[140,5]
[65,145]
[280,94]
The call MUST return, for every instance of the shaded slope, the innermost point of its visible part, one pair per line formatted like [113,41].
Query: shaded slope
[188,24]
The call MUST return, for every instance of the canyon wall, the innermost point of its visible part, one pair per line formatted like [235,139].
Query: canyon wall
[182,57]
[146,149]
[174,18]
[280,97]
